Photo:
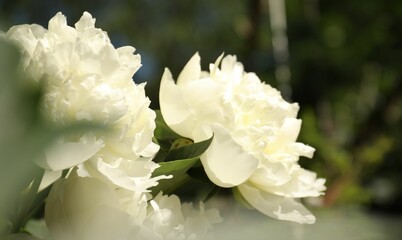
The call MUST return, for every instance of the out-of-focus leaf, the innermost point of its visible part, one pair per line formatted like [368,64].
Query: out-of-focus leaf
[25,202]
[24,134]
[212,192]
[20,236]
[38,229]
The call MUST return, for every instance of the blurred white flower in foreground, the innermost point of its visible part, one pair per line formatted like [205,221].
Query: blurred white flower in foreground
[255,132]
[106,192]
[85,78]
[86,208]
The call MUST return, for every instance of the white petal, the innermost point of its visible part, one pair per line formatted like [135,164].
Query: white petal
[290,130]
[273,174]
[49,178]
[175,110]
[56,22]
[86,22]
[281,208]
[65,155]
[150,150]
[302,183]
[192,71]
[116,175]
[300,149]
[85,208]
[205,98]
[214,67]
[225,162]
[287,134]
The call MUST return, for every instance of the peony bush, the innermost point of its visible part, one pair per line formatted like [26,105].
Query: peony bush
[120,181]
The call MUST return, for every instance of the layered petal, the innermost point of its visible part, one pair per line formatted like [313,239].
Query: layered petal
[66,155]
[299,184]
[286,134]
[225,162]
[191,71]
[176,112]
[278,207]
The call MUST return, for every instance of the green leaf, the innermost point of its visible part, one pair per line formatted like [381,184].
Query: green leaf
[193,150]
[177,169]
[160,156]
[177,162]
[162,130]
[181,159]
[174,167]
[168,186]
[197,173]
[180,142]
[212,192]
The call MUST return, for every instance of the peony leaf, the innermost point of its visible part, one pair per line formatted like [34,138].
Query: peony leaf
[169,187]
[173,167]
[162,130]
[211,192]
[193,150]
[177,162]
[198,173]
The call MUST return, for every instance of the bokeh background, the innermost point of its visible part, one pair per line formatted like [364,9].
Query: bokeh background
[340,60]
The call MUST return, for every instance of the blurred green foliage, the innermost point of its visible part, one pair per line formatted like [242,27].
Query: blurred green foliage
[21,140]
[24,135]
[345,60]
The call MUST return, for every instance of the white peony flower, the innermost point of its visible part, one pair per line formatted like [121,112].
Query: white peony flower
[87,208]
[255,131]
[85,78]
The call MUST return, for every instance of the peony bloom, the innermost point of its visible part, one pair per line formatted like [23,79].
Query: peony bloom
[86,79]
[255,131]
[87,208]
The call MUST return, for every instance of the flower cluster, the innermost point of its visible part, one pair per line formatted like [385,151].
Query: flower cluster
[240,130]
